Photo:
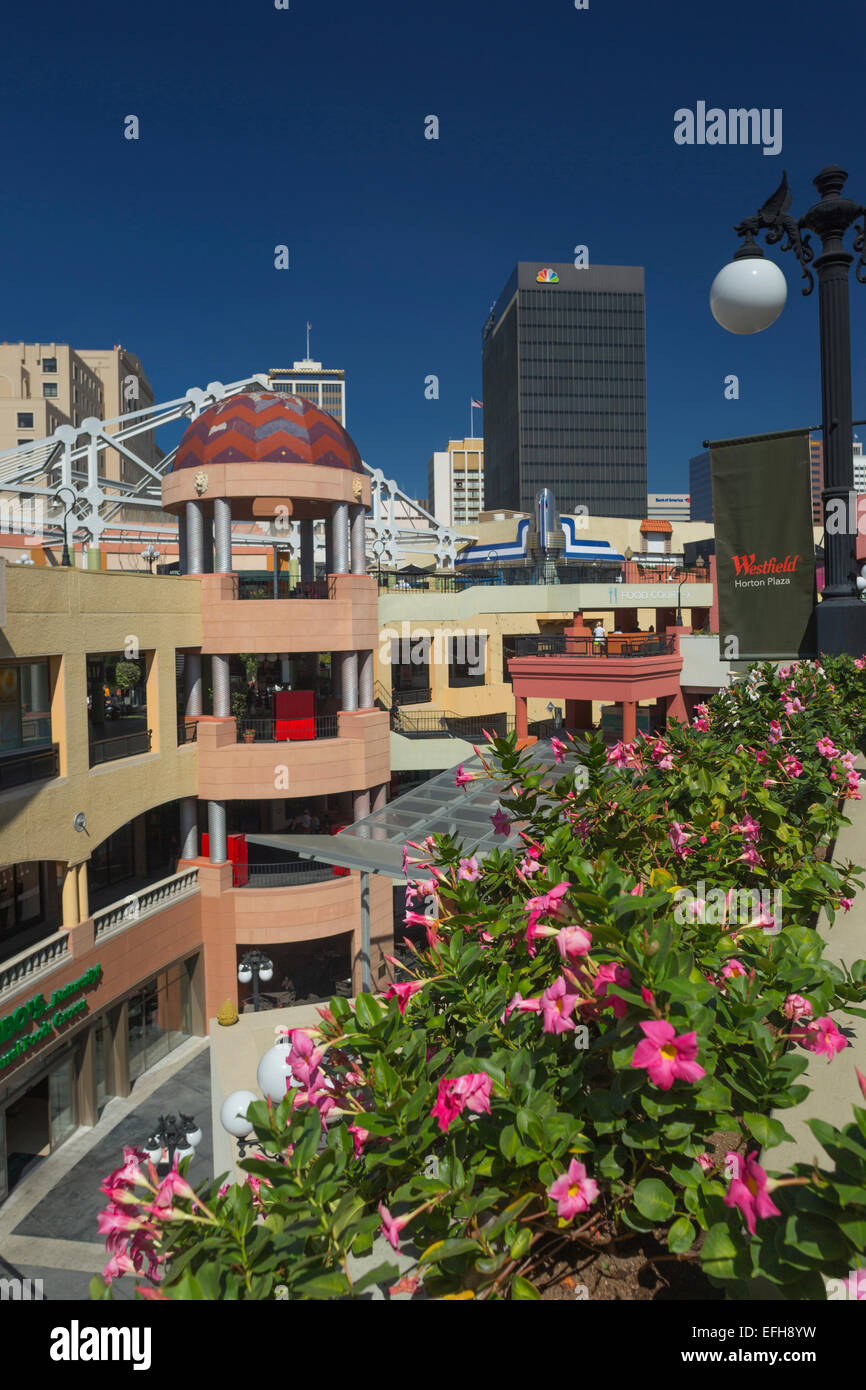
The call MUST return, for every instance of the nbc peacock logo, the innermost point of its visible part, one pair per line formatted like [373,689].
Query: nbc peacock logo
[547,277]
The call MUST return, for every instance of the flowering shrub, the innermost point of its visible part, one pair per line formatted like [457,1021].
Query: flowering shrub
[555,1071]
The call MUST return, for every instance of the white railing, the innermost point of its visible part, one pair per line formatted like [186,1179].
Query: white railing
[29,965]
[131,909]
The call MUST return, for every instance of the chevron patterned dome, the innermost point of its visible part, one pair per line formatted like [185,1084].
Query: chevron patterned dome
[263,427]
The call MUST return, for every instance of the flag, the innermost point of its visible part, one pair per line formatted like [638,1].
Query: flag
[477,405]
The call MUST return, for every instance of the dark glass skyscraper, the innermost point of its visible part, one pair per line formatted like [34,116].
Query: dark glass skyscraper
[564,372]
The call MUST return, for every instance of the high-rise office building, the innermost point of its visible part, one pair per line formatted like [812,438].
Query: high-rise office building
[455,482]
[564,389]
[668,506]
[324,386]
[700,487]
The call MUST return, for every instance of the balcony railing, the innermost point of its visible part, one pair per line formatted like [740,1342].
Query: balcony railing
[186,731]
[287,874]
[287,730]
[412,695]
[121,915]
[634,645]
[32,765]
[443,723]
[283,589]
[664,570]
[108,750]
[30,964]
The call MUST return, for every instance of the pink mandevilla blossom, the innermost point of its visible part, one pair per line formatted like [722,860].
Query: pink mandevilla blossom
[403,993]
[666,1057]
[573,1192]
[678,836]
[392,1226]
[822,1037]
[500,822]
[463,777]
[573,942]
[796,1007]
[557,1004]
[469,870]
[559,749]
[749,1192]
[613,974]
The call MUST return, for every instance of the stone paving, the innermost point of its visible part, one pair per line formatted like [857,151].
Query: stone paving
[48,1223]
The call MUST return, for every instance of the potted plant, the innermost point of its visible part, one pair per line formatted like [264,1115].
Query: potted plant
[249,735]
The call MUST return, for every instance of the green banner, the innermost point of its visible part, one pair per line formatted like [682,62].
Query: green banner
[765,549]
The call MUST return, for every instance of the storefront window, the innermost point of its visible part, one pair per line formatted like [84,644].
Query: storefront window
[102,1062]
[21,901]
[61,1102]
[160,1019]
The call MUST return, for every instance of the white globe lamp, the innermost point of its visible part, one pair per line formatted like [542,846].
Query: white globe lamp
[748,294]
[233,1113]
[274,1076]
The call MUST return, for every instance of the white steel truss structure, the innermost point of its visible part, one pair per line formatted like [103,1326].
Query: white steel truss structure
[64,479]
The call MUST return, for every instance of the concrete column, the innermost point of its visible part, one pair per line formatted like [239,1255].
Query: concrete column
[221,697]
[216,827]
[380,796]
[69,897]
[521,722]
[192,681]
[357,525]
[349,681]
[365,681]
[195,537]
[83,908]
[340,542]
[181,546]
[329,546]
[308,551]
[629,721]
[360,804]
[222,526]
[188,827]
[120,1050]
[676,708]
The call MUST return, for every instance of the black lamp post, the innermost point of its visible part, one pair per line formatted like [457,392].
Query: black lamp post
[255,966]
[66,559]
[747,296]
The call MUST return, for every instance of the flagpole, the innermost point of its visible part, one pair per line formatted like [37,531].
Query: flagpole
[471,418]
[308,342]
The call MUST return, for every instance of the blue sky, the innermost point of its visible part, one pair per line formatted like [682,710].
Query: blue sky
[305,127]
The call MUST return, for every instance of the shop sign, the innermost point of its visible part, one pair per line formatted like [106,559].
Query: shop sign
[48,1014]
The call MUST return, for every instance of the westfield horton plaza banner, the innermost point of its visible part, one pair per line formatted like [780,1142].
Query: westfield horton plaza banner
[765,550]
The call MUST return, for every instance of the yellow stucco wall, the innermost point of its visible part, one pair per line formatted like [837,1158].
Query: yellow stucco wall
[65,614]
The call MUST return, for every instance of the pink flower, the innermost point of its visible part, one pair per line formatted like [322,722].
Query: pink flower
[462,778]
[573,1192]
[706,1162]
[469,870]
[861,1081]
[559,750]
[796,1007]
[749,828]
[647,996]
[667,1057]
[392,1226]
[749,1192]
[678,837]
[417,919]
[403,993]
[794,706]
[527,866]
[359,1138]
[821,1036]
[500,822]
[613,974]
[846,904]
[665,764]
[522,1005]
[637,891]
[826,747]
[775,734]
[459,1093]
[750,856]
[546,905]
[733,968]
[573,942]
[619,753]
[557,1004]
[792,765]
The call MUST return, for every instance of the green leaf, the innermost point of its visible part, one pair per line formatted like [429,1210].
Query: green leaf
[768,1132]
[681,1236]
[368,1011]
[719,1252]
[521,1243]
[447,1249]
[329,1285]
[521,1288]
[654,1200]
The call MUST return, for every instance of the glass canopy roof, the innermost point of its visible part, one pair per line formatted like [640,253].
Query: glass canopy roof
[437,807]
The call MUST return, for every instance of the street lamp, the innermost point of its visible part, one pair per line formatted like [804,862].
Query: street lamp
[65,559]
[150,553]
[172,1140]
[258,967]
[746,297]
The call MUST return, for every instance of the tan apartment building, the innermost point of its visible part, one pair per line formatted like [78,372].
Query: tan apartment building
[455,482]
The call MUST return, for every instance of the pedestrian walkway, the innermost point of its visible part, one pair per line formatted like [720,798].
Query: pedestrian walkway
[48,1224]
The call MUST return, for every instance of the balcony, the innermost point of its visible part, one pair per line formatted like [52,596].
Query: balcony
[629,646]
[108,750]
[249,588]
[31,765]
[344,606]
[270,730]
[136,906]
[29,966]
[287,873]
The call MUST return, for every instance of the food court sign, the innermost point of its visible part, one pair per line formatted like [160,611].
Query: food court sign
[50,1016]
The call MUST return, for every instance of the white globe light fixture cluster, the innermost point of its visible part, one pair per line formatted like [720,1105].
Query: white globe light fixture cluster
[275,1079]
[173,1140]
[861,582]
